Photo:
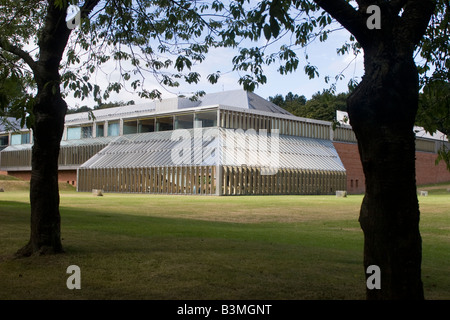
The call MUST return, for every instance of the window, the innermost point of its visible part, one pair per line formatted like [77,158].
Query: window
[20,138]
[185,121]
[130,127]
[86,132]
[4,140]
[74,133]
[15,139]
[164,124]
[147,125]
[113,129]
[100,130]
[25,137]
[208,119]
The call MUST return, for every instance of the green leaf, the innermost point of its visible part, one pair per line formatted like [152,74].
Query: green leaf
[267,32]
[274,27]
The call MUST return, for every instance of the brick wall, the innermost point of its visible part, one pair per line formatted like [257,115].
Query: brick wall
[69,176]
[426,170]
[348,152]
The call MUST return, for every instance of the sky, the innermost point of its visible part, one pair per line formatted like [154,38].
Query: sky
[321,54]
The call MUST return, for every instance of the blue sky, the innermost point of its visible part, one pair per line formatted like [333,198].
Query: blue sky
[323,55]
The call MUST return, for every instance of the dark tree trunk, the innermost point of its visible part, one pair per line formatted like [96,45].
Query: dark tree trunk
[382,111]
[49,111]
[45,236]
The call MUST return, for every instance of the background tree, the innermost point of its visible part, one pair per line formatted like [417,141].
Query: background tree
[435,76]
[291,102]
[15,101]
[434,113]
[321,106]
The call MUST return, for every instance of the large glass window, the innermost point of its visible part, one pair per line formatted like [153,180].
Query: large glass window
[100,130]
[147,125]
[74,133]
[25,137]
[86,132]
[4,140]
[113,129]
[130,127]
[208,119]
[164,124]
[185,121]
[16,139]
[20,138]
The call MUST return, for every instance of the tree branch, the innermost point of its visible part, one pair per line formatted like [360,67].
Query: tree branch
[7,46]
[88,7]
[396,5]
[347,16]
[415,19]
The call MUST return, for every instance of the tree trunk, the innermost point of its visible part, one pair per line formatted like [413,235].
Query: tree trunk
[49,111]
[45,234]
[382,111]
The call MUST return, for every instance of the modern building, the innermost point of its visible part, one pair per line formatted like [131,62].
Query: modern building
[226,143]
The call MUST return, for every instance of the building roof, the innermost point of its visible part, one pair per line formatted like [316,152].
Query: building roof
[241,99]
[343,119]
[217,146]
[235,98]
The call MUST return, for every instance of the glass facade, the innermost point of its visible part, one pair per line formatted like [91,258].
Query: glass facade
[208,119]
[164,123]
[185,121]
[113,129]
[74,133]
[147,125]
[20,138]
[130,127]
[4,140]
[100,130]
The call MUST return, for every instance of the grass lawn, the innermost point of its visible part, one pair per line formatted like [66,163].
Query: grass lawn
[131,246]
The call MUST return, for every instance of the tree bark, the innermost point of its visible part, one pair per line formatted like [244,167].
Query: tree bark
[45,236]
[382,111]
[49,111]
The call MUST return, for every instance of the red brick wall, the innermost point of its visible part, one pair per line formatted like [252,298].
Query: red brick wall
[348,152]
[426,170]
[23,175]
[69,176]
